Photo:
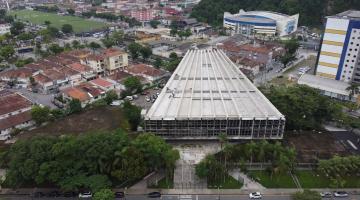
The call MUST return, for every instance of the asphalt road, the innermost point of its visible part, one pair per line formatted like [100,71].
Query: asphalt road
[182,197]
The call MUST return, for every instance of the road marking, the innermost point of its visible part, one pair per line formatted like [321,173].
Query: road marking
[352,145]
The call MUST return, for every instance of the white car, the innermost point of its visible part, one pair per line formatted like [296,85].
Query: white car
[85,195]
[341,194]
[255,195]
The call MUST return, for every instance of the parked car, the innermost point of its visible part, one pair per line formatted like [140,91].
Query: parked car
[154,195]
[129,98]
[341,194]
[255,195]
[326,194]
[86,194]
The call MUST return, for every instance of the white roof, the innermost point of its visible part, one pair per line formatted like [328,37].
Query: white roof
[207,85]
[326,84]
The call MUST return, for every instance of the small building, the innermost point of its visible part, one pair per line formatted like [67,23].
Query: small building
[86,93]
[146,71]
[14,113]
[20,76]
[95,61]
[327,87]
[115,60]
[87,73]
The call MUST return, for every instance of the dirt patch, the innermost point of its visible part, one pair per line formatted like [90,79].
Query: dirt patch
[312,146]
[97,119]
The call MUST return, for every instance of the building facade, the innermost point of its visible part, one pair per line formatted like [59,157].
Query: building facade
[340,48]
[261,23]
[208,95]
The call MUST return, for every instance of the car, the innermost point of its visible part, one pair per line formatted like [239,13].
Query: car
[154,195]
[157,93]
[86,194]
[326,194]
[129,98]
[147,99]
[119,195]
[341,194]
[255,195]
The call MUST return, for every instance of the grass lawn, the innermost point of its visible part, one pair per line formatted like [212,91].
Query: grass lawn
[164,184]
[278,181]
[79,24]
[309,179]
[230,183]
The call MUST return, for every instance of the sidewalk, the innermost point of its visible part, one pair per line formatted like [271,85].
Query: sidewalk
[249,184]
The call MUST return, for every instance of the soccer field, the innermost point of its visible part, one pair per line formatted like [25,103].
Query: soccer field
[79,24]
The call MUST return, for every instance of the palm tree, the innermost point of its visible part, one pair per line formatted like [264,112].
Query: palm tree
[222,139]
[353,90]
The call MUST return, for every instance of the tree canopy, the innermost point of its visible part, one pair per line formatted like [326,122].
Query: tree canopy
[90,161]
[312,12]
[303,107]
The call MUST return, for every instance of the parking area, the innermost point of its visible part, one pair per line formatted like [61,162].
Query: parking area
[147,98]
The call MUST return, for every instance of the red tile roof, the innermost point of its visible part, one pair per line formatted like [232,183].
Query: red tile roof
[119,76]
[41,78]
[112,52]
[101,82]
[23,72]
[95,57]
[76,93]
[10,102]
[15,120]
[80,67]
[145,69]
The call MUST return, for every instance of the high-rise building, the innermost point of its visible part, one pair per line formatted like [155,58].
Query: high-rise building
[339,55]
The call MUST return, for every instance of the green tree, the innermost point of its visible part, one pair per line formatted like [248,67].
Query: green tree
[94,45]
[133,115]
[47,23]
[145,52]
[71,11]
[133,84]
[353,90]
[104,194]
[75,44]
[306,195]
[158,62]
[108,42]
[154,23]
[75,106]
[134,49]
[118,37]
[40,114]
[110,96]
[7,51]
[55,49]
[67,28]
[17,28]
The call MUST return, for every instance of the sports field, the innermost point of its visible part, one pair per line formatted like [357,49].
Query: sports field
[37,17]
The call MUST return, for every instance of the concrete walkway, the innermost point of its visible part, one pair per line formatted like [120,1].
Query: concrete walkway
[249,184]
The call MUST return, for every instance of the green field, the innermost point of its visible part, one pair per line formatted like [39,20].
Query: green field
[278,181]
[79,24]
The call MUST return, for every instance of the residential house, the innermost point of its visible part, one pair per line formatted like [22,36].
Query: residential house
[146,71]
[14,113]
[86,93]
[96,62]
[115,60]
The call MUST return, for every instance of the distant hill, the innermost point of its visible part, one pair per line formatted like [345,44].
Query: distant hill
[312,12]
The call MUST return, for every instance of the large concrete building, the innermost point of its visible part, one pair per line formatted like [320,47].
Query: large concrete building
[340,49]
[208,95]
[261,22]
